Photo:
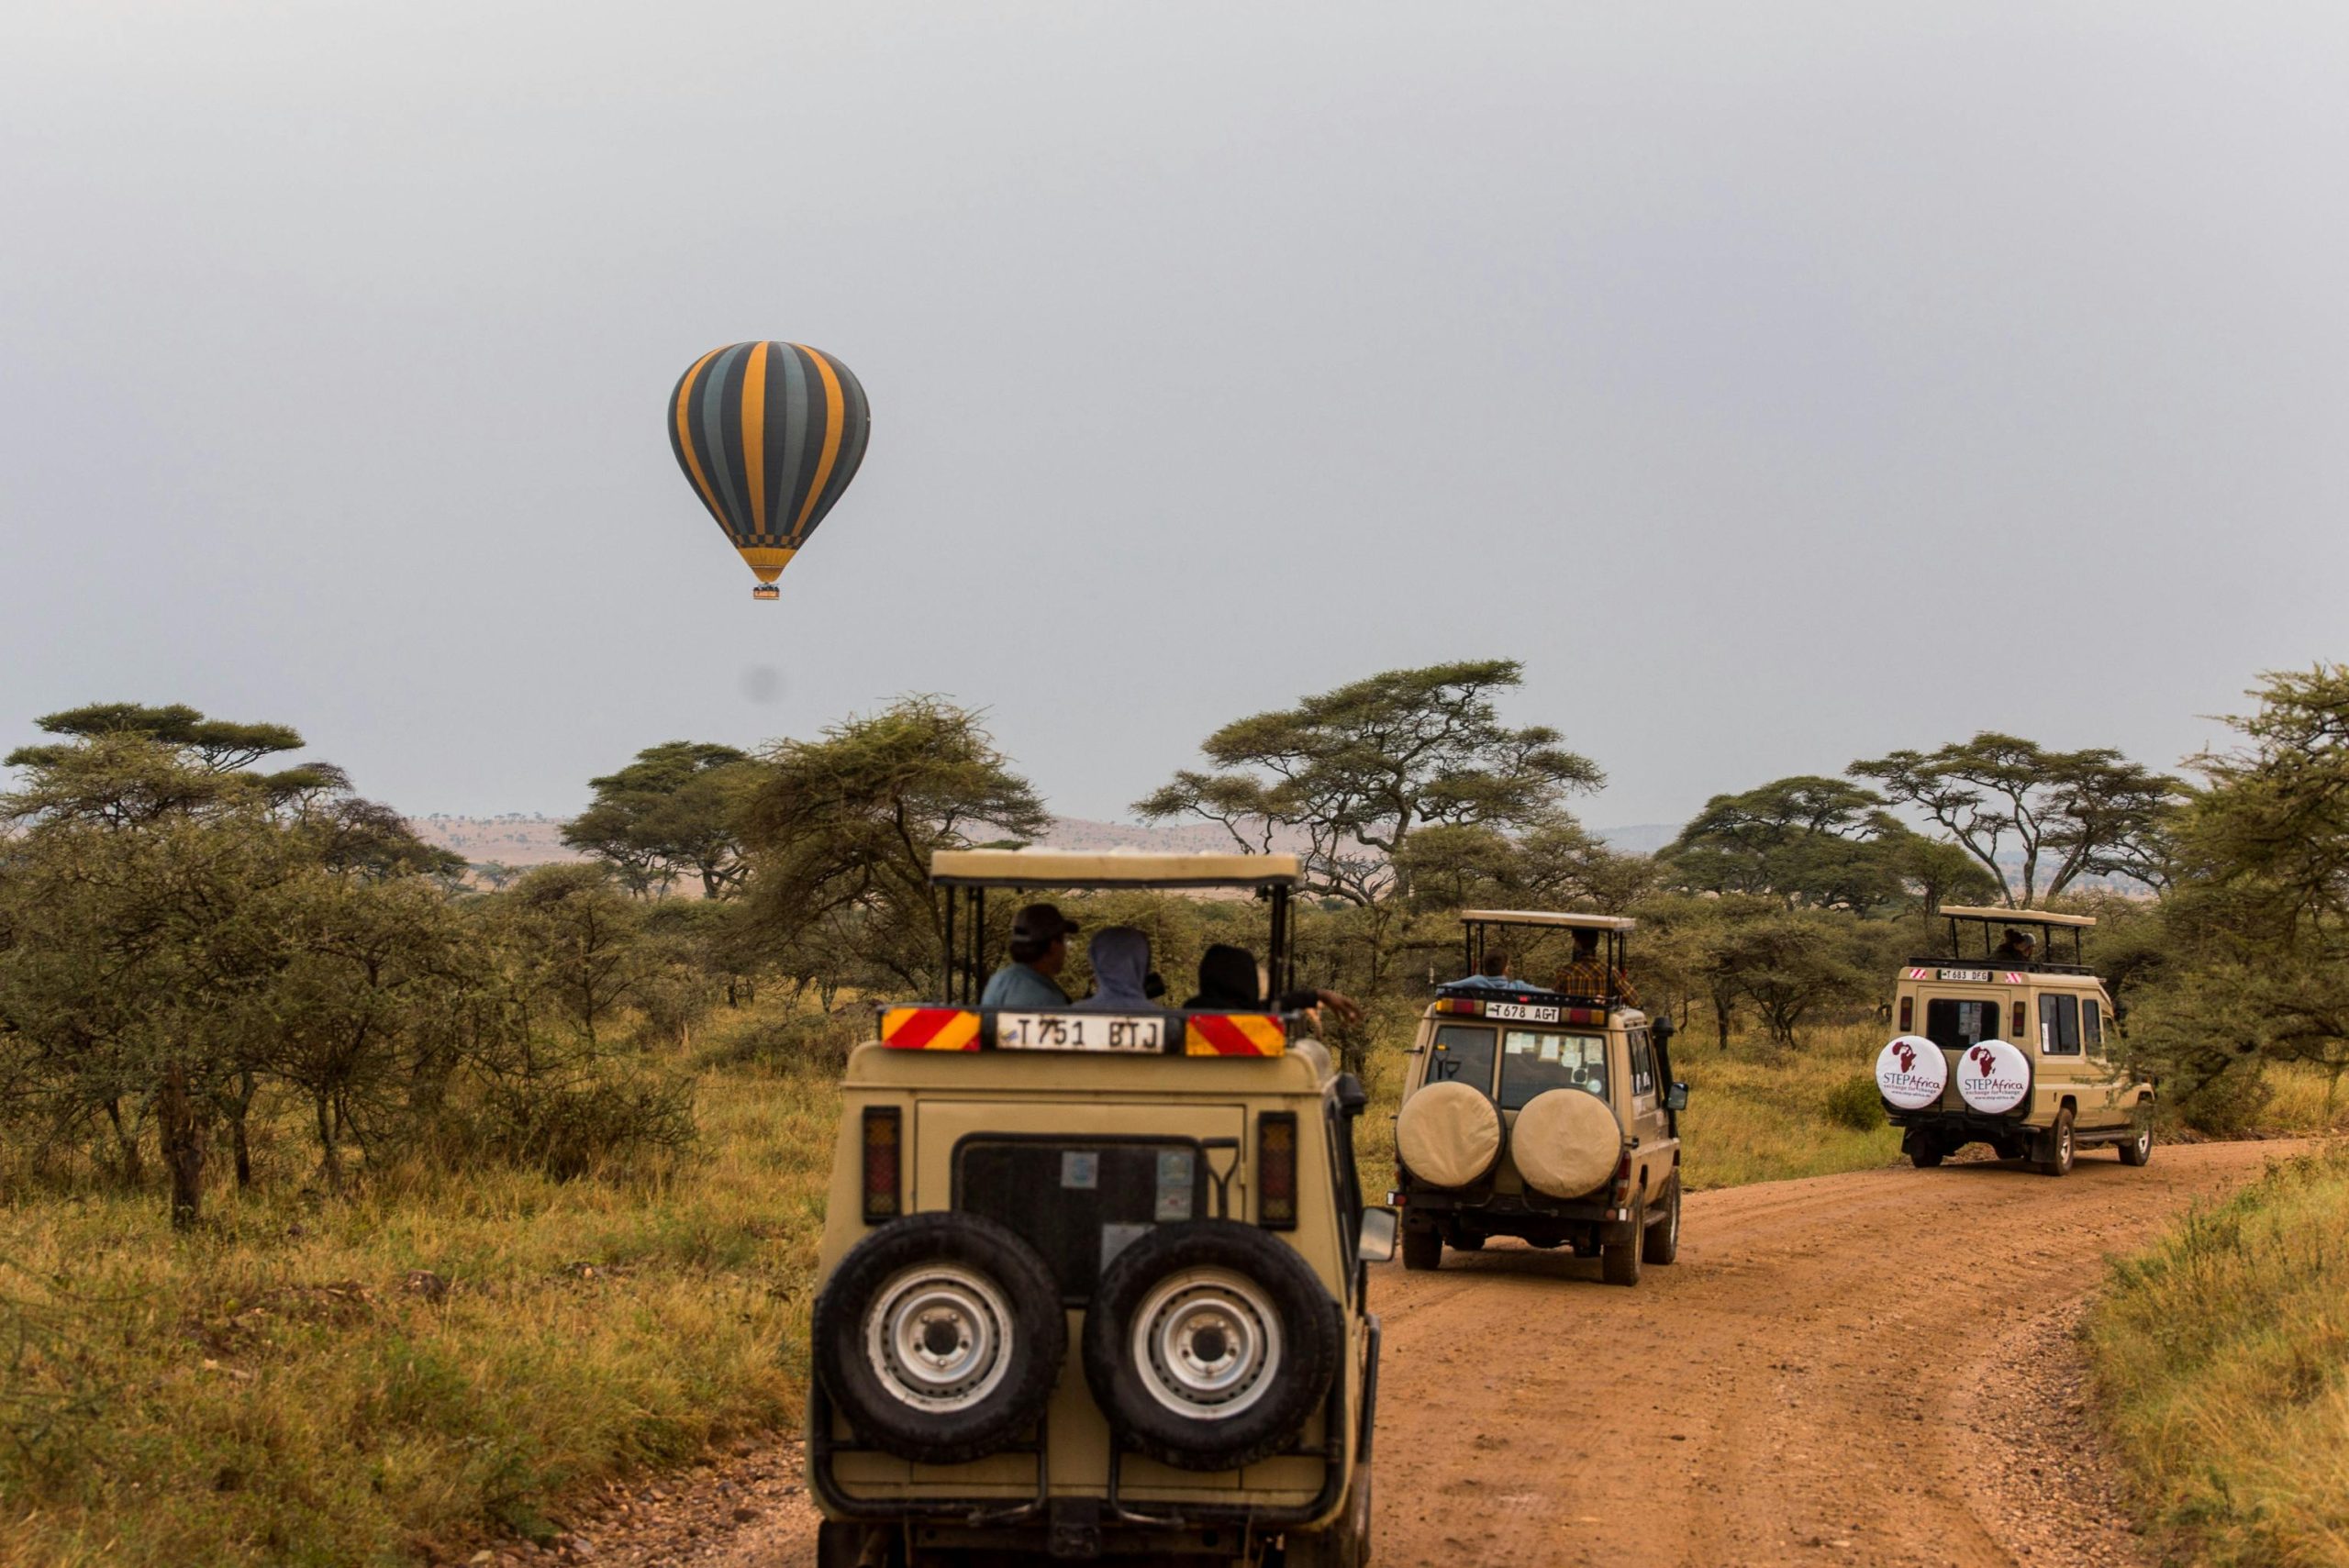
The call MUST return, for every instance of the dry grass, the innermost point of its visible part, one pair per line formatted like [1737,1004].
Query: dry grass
[270,1390]
[2223,1356]
[273,1390]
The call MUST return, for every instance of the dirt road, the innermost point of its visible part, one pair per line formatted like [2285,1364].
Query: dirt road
[1869,1369]
[1856,1369]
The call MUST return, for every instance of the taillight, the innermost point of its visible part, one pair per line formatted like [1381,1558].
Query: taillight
[1621,1196]
[1908,1015]
[884,1166]
[2017,1026]
[1276,1170]
[1459,1005]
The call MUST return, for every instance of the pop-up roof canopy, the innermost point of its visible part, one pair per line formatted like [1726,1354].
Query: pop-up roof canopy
[965,876]
[1061,868]
[2015,916]
[1548,917]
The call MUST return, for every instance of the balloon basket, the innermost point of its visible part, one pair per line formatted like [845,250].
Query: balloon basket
[766,591]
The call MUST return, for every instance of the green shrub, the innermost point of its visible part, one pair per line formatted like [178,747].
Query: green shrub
[1854,1103]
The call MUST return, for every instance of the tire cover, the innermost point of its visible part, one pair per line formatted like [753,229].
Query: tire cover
[1449,1134]
[1993,1076]
[1911,1072]
[1565,1142]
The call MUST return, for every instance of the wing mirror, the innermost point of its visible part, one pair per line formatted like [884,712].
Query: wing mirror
[1377,1239]
[1676,1099]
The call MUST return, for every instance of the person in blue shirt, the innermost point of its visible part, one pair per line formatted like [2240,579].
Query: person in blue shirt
[1492,972]
[1039,936]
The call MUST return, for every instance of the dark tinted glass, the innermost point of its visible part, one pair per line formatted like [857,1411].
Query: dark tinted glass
[2059,1026]
[1953,1025]
[1536,1060]
[2092,1023]
[1464,1054]
[1080,1204]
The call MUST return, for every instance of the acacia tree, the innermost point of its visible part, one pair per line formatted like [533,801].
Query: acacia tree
[1806,842]
[841,829]
[674,811]
[2261,907]
[2087,813]
[1353,773]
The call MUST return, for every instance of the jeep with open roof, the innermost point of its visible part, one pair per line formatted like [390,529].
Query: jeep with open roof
[1543,1111]
[2007,1046]
[1093,1282]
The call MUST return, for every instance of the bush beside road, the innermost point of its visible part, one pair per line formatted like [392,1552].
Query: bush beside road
[2223,1354]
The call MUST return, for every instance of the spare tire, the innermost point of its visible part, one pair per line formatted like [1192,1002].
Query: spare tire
[1449,1134]
[940,1337]
[1565,1142]
[1208,1343]
[1994,1077]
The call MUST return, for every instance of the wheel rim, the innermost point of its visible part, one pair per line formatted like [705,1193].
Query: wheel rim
[1207,1343]
[939,1337]
[1674,1220]
[2063,1144]
[2144,1141]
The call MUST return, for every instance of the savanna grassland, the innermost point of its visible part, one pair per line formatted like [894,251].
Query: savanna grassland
[434,1358]
[2223,1356]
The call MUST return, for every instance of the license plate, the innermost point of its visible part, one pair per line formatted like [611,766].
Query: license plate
[1978,976]
[1522,1012]
[1079,1031]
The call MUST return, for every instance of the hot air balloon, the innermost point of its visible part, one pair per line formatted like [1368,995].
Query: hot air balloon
[769,434]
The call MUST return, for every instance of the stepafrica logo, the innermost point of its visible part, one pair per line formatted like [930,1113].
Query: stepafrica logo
[1898,1075]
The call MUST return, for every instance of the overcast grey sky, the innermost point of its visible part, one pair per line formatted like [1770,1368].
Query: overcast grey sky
[1781,384]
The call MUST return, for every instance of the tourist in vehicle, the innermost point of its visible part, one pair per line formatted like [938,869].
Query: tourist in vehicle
[1586,974]
[1039,936]
[1121,956]
[1229,982]
[2015,947]
[1492,972]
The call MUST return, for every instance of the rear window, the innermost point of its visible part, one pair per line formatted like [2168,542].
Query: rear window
[1080,1204]
[1954,1024]
[1464,1053]
[1533,1061]
[2092,1024]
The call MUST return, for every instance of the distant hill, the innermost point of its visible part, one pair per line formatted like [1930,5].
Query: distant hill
[529,841]
[1641,838]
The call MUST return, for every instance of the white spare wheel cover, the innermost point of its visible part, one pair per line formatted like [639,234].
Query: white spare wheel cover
[1911,1072]
[1449,1134]
[1565,1142]
[1993,1076]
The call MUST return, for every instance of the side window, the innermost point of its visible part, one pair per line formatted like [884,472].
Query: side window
[1643,1065]
[2059,1026]
[1463,1053]
[2092,1025]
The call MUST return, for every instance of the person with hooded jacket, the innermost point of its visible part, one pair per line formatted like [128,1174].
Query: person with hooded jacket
[1121,956]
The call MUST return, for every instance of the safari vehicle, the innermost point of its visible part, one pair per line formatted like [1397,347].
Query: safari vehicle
[2009,1050]
[1542,1113]
[1093,1284]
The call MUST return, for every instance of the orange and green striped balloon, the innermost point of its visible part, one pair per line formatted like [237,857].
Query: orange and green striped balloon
[769,434]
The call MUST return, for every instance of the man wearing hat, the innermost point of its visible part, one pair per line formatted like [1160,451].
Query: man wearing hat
[1039,947]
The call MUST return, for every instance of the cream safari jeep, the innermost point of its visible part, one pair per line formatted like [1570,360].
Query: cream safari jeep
[2009,1052]
[1542,1113]
[1091,1283]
